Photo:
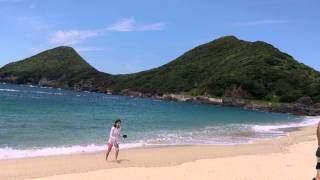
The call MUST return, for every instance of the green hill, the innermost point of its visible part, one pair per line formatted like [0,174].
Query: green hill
[225,67]
[229,67]
[60,67]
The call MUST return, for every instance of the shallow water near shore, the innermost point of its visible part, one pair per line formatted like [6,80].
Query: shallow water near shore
[38,121]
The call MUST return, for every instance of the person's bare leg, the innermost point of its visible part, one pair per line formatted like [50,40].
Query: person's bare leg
[117,153]
[318,175]
[107,154]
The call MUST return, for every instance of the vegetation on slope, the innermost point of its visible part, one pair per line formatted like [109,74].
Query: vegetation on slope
[229,67]
[62,65]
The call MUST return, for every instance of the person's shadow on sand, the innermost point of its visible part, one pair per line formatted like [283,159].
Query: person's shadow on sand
[121,160]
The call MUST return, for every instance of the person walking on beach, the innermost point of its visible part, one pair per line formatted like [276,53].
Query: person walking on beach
[114,138]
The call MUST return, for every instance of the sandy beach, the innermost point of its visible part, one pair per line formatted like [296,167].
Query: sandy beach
[290,157]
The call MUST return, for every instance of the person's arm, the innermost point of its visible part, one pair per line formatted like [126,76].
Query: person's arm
[118,135]
[318,134]
[111,133]
[122,135]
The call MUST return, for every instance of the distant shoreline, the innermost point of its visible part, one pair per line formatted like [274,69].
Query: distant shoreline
[265,106]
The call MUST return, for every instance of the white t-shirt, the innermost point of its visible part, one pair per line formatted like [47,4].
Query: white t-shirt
[114,136]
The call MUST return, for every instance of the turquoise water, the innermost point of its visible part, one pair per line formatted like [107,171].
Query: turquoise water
[43,121]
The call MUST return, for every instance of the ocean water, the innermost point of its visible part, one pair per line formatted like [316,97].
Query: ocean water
[38,121]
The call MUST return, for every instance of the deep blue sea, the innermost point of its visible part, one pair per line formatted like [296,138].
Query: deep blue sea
[38,121]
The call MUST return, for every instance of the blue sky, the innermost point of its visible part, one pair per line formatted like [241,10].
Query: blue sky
[129,36]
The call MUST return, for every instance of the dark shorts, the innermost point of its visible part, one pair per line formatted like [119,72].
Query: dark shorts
[318,158]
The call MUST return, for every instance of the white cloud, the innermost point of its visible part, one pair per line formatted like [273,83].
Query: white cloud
[124,25]
[70,37]
[91,49]
[262,22]
[130,24]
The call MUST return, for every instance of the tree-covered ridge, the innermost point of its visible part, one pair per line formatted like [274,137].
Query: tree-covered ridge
[230,67]
[225,67]
[60,64]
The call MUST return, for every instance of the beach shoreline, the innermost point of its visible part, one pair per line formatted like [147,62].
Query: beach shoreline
[278,131]
[157,157]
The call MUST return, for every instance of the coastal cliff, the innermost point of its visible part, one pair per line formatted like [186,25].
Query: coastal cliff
[226,71]
[300,107]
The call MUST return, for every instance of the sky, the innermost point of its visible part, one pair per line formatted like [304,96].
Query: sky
[129,36]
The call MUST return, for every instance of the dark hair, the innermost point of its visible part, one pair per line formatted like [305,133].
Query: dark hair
[117,121]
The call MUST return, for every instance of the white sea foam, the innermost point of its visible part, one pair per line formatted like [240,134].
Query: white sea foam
[277,128]
[32,86]
[9,90]
[50,93]
[10,153]
[45,87]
